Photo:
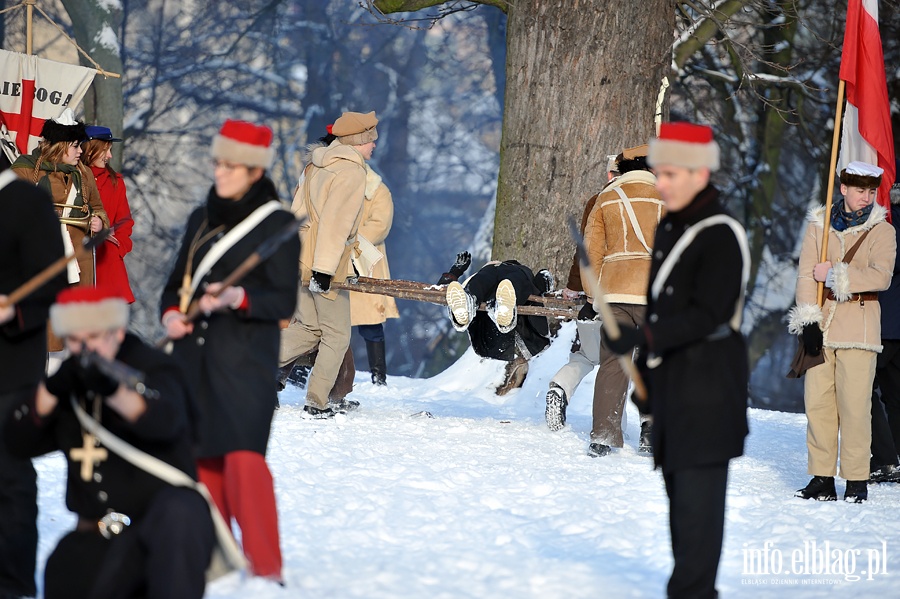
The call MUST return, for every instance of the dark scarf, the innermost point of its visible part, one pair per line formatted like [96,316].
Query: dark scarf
[230,212]
[841,221]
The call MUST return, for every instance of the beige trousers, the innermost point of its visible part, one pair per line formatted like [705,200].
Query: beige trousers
[838,399]
[322,324]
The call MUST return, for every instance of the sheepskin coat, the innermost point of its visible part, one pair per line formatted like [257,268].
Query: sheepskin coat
[377,218]
[331,196]
[845,324]
[612,243]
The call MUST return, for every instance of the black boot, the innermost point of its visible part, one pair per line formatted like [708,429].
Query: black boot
[856,492]
[820,488]
[377,361]
[645,445]
[283,374]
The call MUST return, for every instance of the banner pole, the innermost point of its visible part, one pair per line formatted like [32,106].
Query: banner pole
[829,192]
[29,17]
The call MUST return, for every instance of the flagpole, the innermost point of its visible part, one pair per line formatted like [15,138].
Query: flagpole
[29,17]
[829,193]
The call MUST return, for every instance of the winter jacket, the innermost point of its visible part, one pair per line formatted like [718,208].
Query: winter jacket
[845,323]
[54,179]
[24,252]
[232,356]
[333,187]
[163,431]
[111,271]
[377,217]
[890,298]
[695,365]
[613,245]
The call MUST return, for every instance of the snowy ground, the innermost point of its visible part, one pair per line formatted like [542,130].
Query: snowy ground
[483,501]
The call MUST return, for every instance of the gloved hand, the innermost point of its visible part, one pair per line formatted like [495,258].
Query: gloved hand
[320,282]
[66,380]
[463,262]
[629,338]
[98,382]
[812,339]
[587,312]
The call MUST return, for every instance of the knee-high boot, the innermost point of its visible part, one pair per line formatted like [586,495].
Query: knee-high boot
[377,361]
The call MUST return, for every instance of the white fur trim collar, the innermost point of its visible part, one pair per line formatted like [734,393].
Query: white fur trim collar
[373,180]
[632,177]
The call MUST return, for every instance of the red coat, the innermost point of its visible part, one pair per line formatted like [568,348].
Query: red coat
[110,256]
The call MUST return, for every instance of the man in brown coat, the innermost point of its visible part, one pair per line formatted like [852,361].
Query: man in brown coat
[618,237]
[331,198]
[847,328]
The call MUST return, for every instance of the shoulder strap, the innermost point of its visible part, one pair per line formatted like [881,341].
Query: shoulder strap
[849,255]
[167,473]
[633,218]
[229,239]
[687,238]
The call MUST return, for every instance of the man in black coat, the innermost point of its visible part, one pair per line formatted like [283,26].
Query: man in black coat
[136,535]
[30,240]
[694,356]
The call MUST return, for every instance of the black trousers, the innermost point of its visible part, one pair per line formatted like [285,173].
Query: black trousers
[697,524]
[164,555]
[18,512]
[487,341]
[887,376]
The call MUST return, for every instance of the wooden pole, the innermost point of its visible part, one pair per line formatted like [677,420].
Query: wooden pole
[29,17]
[552,307]
[829,192]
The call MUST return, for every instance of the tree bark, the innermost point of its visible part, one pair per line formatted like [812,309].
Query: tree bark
[582,83]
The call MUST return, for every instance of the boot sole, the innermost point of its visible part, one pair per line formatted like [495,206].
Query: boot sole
[554,413]
[505,307]
[458,303]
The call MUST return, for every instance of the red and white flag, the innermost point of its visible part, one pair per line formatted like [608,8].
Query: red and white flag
[867,132]
[33,90]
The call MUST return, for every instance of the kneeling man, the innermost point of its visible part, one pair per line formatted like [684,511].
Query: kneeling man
[135,535]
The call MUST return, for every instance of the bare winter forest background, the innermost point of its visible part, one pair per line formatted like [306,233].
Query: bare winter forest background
[763,73]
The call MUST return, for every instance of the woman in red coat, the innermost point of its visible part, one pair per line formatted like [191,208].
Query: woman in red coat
[96,153]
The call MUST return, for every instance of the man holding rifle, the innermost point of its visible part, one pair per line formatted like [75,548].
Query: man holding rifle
[694,356]
[135,534]
[30,241]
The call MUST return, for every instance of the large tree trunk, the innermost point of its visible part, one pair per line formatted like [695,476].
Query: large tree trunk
[97,25]
[582,83]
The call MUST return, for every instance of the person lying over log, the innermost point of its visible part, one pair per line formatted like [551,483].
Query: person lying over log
[500,333]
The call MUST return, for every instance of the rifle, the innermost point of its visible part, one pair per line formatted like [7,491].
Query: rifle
[118,371]
[262,252]
[41,278]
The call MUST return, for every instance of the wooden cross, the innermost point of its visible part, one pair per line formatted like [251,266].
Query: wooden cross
[88,455]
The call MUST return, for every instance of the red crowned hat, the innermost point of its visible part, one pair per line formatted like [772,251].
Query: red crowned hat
[91,309]
[686,145]
[244,143]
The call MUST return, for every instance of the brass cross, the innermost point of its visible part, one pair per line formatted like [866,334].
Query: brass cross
[88,455]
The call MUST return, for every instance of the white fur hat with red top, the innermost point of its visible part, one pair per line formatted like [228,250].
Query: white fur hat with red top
[686,145]
[244,143]
[88,309]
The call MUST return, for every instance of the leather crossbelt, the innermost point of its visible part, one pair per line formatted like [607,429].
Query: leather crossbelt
[866,296]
